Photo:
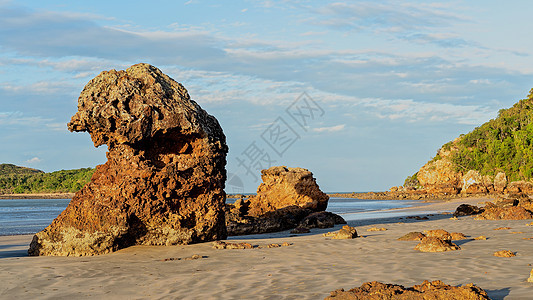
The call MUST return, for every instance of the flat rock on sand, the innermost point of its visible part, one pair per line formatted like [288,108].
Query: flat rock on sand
[427,290]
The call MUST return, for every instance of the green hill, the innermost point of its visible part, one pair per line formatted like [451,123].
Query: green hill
[17,180]
[503,144]
[10,169]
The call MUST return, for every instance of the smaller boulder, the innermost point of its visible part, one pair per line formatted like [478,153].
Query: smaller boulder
[321,219]
[530,279]
[435,244]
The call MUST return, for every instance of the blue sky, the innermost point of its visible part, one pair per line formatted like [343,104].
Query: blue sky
[384,83]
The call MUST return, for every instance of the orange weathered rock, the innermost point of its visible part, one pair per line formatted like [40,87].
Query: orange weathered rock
[530,279]
[163,182]
[283,187]
[436,290]
[440,177]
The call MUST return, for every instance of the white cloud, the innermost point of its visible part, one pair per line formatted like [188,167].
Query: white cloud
[33,160]
[330,129]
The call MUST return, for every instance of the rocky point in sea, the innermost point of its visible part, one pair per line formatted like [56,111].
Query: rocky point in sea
[163,182]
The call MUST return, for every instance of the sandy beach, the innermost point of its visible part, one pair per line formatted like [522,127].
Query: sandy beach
[309,268]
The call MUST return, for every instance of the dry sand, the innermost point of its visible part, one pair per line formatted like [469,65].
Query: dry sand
[308,269]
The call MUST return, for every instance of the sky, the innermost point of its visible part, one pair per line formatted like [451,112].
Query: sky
[361,93]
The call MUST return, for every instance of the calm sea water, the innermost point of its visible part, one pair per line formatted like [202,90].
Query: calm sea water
[28,216]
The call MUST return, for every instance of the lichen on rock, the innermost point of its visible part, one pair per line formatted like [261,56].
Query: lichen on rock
[163,182]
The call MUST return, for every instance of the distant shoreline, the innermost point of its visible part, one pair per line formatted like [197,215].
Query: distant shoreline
[38,196]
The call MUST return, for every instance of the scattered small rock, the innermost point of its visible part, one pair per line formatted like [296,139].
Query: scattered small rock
[346,232]
[376,229]
[227,245]
[516,232]
[502,228]
[530,279]
[195,256]
[300,230]
[412,236]
[436,244]
[529,224]
[417,218]
[504,253]
[481,238]
[171,258]
[454,218]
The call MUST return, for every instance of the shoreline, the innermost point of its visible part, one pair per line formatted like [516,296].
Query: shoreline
[309,268]
[38,196]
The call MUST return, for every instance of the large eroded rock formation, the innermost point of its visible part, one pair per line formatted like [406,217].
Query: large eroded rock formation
[163,182]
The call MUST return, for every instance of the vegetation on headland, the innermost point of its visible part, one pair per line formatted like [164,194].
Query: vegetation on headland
[20,180]
[503,144]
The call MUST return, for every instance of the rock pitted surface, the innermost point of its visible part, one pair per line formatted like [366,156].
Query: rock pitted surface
[436,290]
[283,187]
[163,182]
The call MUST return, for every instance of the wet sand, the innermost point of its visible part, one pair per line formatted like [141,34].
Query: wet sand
[309,268]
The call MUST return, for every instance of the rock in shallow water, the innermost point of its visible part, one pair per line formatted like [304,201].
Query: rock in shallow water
[163,182]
